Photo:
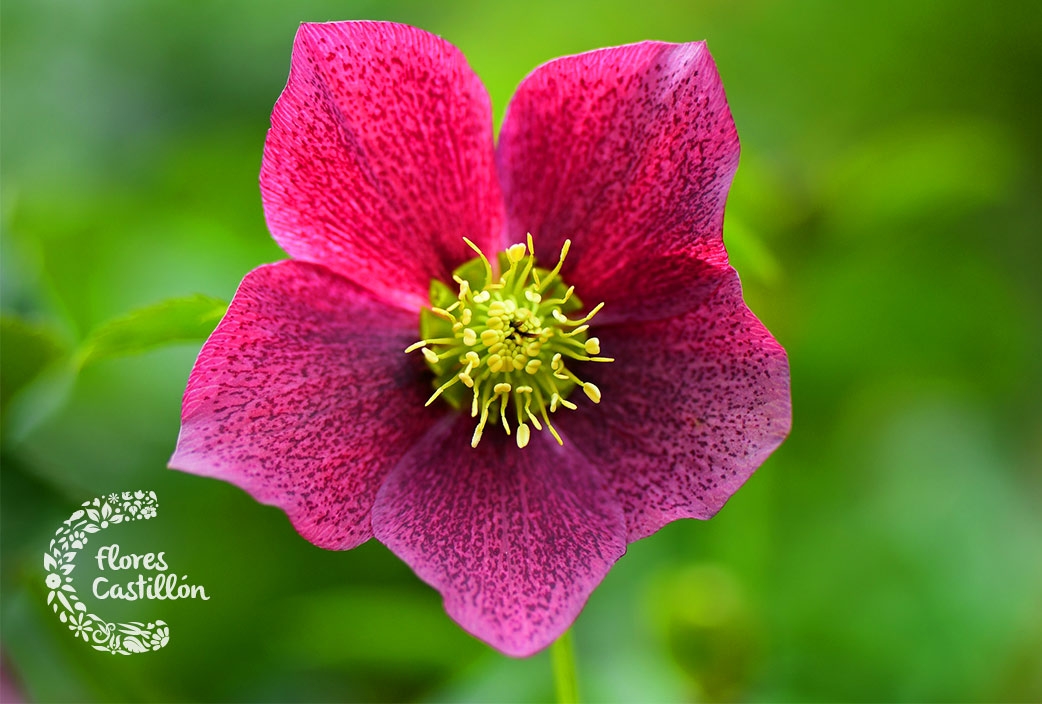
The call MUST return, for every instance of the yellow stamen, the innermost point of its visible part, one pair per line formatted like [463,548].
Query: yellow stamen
[441,388]
[515,253]
[523,435]
[592,391]
[516,323]
[484,260]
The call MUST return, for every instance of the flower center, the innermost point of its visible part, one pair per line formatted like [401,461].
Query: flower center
[505,344]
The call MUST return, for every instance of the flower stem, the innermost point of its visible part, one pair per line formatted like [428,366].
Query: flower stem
[562,657]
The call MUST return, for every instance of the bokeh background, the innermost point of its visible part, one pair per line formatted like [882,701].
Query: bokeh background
[885,219]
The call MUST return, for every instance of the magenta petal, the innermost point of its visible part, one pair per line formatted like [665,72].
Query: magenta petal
[691,407]
[380,157]
[654,287]
[303,397]
[515,540]
[624,150]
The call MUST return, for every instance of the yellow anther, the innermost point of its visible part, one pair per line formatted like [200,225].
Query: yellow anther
[470,338]
[502,388]
[592,346]
[466,316]
[473,358]
[532,349]
[509,306]
[430,356]
[533,296]
[490,337]
[515,253]
[592,391]
[444,314]
[568,404]
[556,362]
[466,379]
[482,297]
[495,323]
[554,400]
[494,361]
[533,365]
[481,424]
[523,435]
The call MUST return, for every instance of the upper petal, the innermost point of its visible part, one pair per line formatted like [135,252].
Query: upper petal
[628,151]
[690,408]
[380,157]
[303,397]
[515,540]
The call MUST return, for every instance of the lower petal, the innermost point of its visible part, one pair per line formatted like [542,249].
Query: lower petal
[303,397]
[515,540]
[691,407]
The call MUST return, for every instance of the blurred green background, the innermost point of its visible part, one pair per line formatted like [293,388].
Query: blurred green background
[885,219]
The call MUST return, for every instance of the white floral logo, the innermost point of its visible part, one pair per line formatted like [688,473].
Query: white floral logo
[68,541]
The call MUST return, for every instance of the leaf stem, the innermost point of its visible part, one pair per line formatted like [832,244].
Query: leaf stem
[562,658]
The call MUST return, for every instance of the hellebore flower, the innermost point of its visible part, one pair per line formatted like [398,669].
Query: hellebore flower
[379,162]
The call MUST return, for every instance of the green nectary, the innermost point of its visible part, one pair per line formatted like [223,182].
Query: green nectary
[507,341]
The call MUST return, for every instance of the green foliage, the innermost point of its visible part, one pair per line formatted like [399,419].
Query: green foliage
[26,350]
[175,320]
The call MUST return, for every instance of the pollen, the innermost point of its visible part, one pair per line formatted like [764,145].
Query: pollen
[504,346]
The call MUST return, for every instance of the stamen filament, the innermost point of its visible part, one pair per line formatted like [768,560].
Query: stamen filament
[508,339]
[484,260]
[441,388]
[557,269]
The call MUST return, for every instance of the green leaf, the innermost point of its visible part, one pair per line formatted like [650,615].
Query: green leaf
[26,349]
[174,320]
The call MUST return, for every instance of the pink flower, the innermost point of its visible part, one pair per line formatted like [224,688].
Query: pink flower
[380,159]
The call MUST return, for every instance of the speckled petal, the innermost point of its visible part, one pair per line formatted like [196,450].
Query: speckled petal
[380,157]
[655,287]
[302,396]
[624,150]
[690,408]
[515,540]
